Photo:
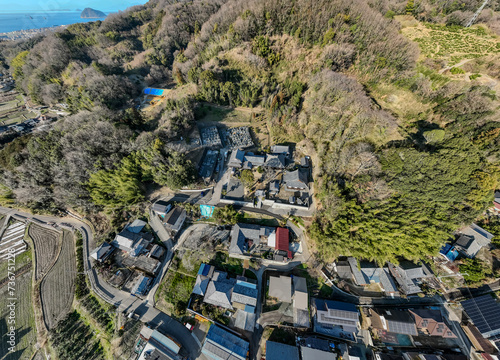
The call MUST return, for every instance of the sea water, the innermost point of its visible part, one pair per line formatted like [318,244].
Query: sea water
[36,20]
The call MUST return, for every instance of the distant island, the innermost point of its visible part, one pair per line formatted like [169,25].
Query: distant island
[89,13]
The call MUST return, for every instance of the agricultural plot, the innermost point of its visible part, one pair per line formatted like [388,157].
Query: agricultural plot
[452,44]
[13,238]
[25,320]
[46,244]
[74,339]
[58,286]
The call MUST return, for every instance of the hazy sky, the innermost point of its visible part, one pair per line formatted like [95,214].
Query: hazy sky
[46,5]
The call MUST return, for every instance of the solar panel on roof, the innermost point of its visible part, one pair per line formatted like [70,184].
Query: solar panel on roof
[484,312]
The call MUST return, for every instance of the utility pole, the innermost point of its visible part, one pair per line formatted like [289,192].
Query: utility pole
[476,15]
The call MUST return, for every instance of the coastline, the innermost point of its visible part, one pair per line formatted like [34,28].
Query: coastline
[26,34]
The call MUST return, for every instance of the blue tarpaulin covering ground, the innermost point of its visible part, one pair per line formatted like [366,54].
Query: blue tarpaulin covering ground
[153,91]
[207,210]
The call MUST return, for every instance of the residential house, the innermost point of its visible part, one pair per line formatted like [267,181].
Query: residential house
[300,302]
[131,242]
[219,290]
[275,161]
[203,277]
[472,239]
[244,296]
[409,276]
[136,226]
[496,202]
[368,273]
[278,351]
[161,208]
[102,252]
[281,150]
[296,180]
[156,252]
[282,245]
[305,161]
[281,288]
[331,313]
[237,159]
[484,312]
[174,220]
[158,346]
[394,321]
[143,263]
[247,239]
[222,344]
[431,322]
[316,354]
[141,285]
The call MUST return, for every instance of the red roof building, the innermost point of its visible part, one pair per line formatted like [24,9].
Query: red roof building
[283,241]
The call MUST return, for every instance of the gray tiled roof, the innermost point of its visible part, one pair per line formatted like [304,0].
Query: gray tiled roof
[468,244]
[219,293]
[275,161]
[241,232]
[296,179]
[278,351]
[244,295]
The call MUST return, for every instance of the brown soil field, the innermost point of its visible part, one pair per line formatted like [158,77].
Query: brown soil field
[46,244]
[58,286]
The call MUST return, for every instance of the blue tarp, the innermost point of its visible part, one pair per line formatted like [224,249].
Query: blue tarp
[449,251]
[207,210]
[153,91]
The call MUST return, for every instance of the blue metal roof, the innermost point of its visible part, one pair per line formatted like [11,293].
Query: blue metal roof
[250,309]
[142,286]
[204,269]
[246,284]
[228,341]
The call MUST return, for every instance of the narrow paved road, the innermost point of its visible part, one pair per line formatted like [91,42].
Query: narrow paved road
[124,302]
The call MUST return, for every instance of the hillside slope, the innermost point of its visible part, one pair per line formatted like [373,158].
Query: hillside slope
[405,155]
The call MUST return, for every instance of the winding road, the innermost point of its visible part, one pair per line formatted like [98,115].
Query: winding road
[123,301]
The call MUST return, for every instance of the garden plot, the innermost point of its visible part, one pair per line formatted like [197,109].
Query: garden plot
[13,238]
[58,286]
[46,243]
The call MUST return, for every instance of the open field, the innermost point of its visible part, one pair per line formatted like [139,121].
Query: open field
[13,237]
[24,317]
[46,247]
[452,44]
[12,110]
[57,287]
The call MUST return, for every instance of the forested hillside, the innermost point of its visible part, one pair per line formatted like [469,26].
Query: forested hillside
[404,153]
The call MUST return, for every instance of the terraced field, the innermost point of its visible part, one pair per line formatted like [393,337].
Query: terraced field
[58,286]
[13,237]
[452,44]
[46,247]
[25,320]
